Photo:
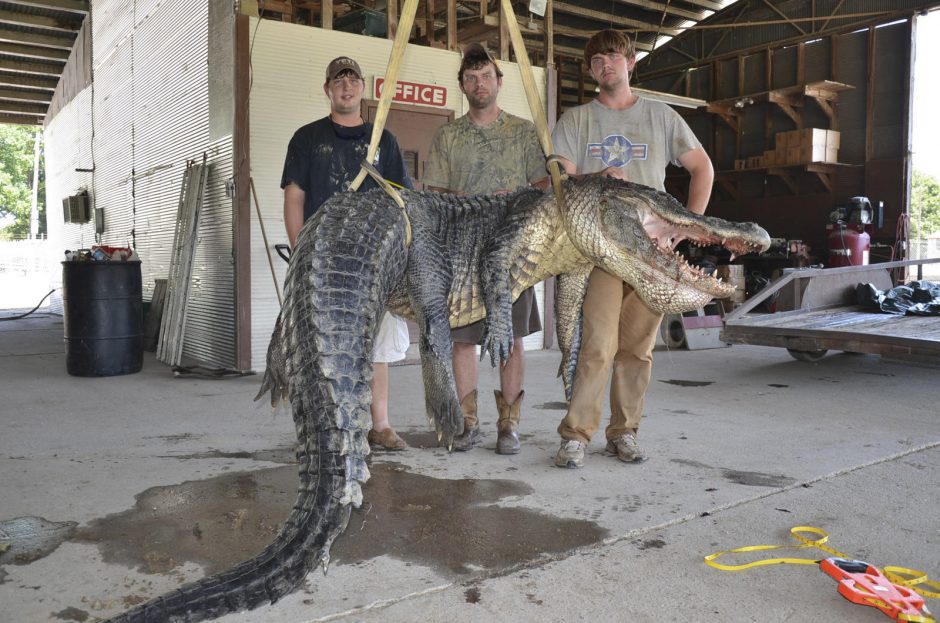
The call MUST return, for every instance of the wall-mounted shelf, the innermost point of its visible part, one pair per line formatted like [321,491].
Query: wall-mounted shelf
[824,171]
[788,99]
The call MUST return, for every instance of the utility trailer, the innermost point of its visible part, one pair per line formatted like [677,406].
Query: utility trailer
[821,314]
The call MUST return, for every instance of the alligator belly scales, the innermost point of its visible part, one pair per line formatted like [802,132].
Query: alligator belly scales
[470,257]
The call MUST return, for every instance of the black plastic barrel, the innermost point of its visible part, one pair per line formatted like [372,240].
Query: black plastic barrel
[103,313]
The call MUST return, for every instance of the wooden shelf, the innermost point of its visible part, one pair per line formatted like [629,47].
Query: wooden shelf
[824,171]
[788,99]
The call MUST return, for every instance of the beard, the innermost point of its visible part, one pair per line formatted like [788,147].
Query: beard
[481,101]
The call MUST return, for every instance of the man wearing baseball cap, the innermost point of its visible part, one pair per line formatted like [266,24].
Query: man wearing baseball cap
[323,158]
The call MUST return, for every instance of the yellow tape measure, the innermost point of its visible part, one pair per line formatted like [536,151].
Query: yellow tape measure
[917,581]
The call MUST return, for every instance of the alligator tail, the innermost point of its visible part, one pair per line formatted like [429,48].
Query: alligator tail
[351,255]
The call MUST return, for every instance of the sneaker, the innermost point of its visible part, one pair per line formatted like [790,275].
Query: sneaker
[626,448]
[570,454]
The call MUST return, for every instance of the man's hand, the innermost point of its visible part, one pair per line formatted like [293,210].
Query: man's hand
[616,172]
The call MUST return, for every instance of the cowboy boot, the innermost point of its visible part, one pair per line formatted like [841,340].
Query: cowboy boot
[508,424]
[471,434]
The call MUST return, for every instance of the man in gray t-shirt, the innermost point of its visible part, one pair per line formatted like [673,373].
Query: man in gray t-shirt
[625,136]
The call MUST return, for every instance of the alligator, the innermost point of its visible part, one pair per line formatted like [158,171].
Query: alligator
[469,257]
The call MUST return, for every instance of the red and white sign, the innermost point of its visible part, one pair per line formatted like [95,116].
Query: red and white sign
[414,93]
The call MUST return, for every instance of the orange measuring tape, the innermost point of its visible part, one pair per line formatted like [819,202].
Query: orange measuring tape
[897,591]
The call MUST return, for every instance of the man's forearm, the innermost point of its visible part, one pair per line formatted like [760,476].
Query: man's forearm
[700,190]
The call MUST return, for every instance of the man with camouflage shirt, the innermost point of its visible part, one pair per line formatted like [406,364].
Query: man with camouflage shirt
[487,151]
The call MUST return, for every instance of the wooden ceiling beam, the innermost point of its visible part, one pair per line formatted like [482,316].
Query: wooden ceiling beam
[23,108]
[80,7]
[706,4]
[34,52]
[623,22]
[28,81]
[659,7]
[30,20]
[19,119]
[37,69]
[16,95]
[60,41]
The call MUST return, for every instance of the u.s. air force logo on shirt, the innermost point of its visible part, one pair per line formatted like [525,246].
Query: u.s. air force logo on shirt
[616,150]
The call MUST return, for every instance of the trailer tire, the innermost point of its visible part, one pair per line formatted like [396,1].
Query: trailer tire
[810,356]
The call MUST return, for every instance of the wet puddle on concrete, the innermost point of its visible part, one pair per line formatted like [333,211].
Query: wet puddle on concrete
[683,383]
[453,526]
[749,479]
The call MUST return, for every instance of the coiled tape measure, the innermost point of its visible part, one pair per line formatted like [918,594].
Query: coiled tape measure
[897,591]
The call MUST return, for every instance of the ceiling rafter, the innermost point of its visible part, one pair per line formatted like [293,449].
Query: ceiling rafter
[61,22]
[614,20]
[72,6]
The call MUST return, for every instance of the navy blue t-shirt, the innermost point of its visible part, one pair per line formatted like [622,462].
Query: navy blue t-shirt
[323,158]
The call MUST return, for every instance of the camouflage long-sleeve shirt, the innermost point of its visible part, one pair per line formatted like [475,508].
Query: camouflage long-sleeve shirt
[470,159]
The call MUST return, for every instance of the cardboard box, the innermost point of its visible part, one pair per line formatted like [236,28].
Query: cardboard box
[780,141]
[740,164]
[793,155]
[812,136]
[818,153]
[770,158]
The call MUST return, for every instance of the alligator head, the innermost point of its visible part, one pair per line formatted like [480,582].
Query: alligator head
[631,231]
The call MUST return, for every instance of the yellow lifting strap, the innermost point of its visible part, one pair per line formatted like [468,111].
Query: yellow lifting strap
[535,102]
[388,88]
[385,101]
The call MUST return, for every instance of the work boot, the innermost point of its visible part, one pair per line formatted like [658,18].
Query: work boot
[508,424]
[471,434]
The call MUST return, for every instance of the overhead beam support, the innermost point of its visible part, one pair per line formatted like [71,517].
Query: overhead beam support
[28,81]
[63,24]
[623,22]
[61,41]
[19,119]
[80,7]
[39,69]
[36,97]
[34,52]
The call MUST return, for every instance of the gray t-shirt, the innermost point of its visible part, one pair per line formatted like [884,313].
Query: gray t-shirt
[641,140]
[466,158]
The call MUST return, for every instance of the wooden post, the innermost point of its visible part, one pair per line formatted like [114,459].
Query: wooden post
[870,98]
[504,41]
[326,14]
[451,24]
[549,26]
[391,19]
[242,226]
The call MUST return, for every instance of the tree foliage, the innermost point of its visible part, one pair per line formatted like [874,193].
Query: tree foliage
[925,205]
[17,145]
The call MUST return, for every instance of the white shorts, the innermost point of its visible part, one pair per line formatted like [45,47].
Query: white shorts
[392,341]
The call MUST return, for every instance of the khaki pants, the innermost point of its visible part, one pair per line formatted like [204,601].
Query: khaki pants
[619,332]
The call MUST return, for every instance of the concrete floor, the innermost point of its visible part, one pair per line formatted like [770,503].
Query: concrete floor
[118,489]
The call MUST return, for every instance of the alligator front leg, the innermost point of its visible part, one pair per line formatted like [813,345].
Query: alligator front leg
[569,296]
[428,291]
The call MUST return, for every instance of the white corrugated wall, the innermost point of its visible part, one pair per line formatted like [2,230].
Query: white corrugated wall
[150,113]
[289,62]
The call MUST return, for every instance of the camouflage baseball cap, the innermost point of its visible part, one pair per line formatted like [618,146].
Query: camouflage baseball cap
[341,64]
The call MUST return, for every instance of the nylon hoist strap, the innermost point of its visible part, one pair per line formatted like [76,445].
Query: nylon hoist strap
[388,88]
[917,581]
[391,192]
[535,102]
